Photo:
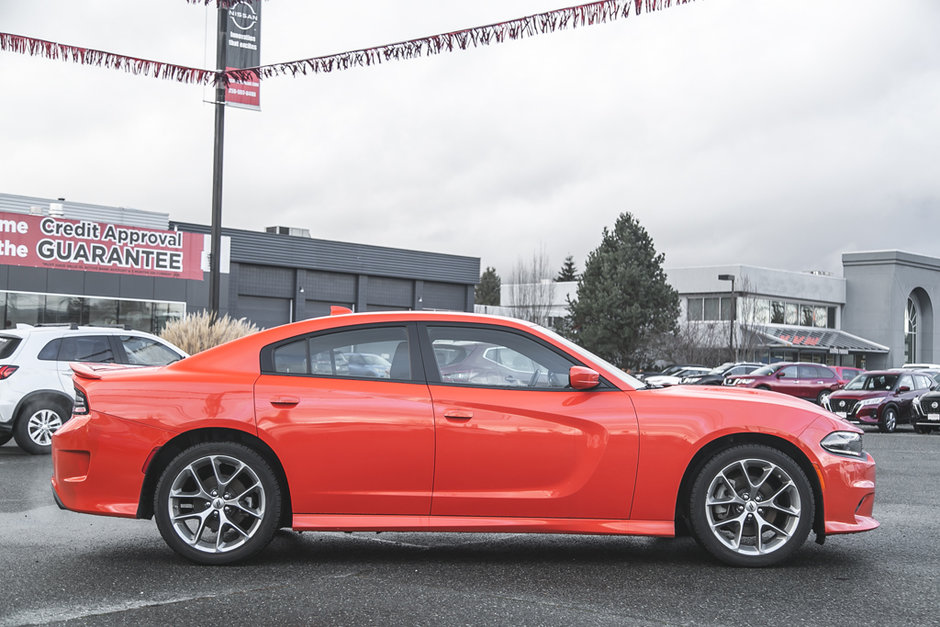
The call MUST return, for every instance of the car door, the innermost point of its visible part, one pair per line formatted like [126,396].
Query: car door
[906,391]
[788,380]
[349,443]
[514,439]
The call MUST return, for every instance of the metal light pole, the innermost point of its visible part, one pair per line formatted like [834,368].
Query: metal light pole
[216,229]
[730,277]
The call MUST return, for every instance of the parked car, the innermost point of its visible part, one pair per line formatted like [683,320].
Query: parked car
[846,373]
[227,446]
[813,382]
[36,390]
[926,415]
[880,397]
[668,371]
[716,376]
[677,377]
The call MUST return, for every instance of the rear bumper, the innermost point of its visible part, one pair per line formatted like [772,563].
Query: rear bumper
[98,464]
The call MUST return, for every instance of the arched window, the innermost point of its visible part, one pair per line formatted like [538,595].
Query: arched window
[910,331]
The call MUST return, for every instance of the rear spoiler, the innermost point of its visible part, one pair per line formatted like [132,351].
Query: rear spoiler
[94,371]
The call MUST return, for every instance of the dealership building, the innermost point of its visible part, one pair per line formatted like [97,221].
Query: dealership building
[68,262]
[878,314]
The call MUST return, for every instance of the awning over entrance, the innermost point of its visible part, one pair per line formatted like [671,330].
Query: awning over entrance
[829,340]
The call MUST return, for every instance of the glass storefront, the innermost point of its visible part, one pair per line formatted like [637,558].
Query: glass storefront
[142,315]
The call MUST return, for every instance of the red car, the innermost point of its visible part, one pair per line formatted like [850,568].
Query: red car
[813,382]
[227,446]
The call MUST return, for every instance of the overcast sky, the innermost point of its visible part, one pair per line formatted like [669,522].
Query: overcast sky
[778,133]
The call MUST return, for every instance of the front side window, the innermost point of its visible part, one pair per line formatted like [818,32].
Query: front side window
[372,353]
[496,358]
[143,351]
[790,372]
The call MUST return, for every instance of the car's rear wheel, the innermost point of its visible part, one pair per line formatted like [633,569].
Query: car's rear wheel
[889,420]
[36,424]
[751,505]
[217,503]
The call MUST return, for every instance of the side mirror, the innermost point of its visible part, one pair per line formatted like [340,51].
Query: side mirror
[779,375]
[903,388]
[582,378]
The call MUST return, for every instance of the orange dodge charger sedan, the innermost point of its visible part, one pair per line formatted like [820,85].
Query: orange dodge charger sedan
[477,423]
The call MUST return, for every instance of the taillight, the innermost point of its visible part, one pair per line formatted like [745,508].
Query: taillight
[80,407]
[6,371]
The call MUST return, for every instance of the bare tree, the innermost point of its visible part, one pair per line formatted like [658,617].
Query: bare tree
[694,343]
[531,288]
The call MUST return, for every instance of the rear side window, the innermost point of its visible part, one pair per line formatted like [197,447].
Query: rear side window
[90,348]
[8,344]
[50,352]
[371,353]
[143,351]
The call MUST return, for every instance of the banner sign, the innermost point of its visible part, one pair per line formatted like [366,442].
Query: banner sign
[81,245]
[243,50]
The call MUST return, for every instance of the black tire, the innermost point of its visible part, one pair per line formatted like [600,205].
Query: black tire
[217,523]
[889,419]
[35,425]
[823,398]
[731,518]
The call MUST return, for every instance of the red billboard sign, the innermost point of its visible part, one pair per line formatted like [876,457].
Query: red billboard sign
[59,243]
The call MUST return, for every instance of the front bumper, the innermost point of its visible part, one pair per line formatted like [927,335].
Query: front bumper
[847,484]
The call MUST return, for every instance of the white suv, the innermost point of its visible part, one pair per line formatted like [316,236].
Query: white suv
[36,391]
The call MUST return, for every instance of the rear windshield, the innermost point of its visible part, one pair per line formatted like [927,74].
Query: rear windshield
[8,344]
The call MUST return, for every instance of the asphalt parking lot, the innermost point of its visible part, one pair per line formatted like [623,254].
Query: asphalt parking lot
[62,567]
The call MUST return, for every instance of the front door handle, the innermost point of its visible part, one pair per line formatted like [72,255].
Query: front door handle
[285,401]
[458,414]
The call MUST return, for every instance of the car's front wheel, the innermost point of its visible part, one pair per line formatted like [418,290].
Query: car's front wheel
[889,420]
[35,426]
[217,503]
[751,505]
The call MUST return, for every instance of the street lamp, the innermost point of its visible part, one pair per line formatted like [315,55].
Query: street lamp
[730,277]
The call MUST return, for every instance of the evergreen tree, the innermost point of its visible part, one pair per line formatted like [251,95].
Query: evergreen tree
[623,299]
[569,272]
[487,290]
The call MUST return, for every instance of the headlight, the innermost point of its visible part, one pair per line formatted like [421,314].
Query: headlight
[870,401]
[843,443]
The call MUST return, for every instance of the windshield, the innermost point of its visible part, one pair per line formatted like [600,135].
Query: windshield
[763,371]
[614,370]
[872,382]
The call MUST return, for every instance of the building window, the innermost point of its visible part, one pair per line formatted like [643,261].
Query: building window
[141,315]
[910,331]
[712,308]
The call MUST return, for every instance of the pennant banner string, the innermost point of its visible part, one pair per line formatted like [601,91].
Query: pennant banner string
[530,26]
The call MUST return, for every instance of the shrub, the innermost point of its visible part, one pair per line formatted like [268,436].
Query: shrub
[197,332]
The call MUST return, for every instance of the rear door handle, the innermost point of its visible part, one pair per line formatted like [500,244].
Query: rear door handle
[458,414]
[285,401]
